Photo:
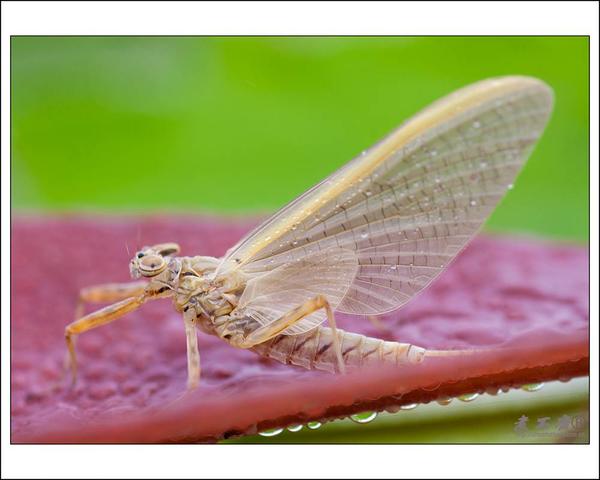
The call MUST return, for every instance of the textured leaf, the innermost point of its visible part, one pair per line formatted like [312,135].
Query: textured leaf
[529,295]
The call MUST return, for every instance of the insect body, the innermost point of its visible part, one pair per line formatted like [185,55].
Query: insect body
[363,241]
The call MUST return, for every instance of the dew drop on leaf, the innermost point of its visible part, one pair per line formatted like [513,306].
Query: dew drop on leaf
[363,417]
[271,433]
[533,387]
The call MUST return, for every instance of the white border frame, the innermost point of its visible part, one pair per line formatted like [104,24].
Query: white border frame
[300,18]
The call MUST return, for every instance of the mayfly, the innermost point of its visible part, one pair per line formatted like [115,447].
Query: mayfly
[364,241]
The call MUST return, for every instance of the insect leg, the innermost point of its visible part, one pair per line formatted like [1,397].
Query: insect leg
[193,355]
[336,339]
[267,332]
[376,322]
[95,319]
[108,292]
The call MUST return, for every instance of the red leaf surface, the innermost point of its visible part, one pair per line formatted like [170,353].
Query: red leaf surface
[527,296]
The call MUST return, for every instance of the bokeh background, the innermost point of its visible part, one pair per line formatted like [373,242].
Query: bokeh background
[239,126]
[242,125]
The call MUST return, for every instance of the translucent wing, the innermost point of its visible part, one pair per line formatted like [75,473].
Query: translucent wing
[270,296]
[409,204]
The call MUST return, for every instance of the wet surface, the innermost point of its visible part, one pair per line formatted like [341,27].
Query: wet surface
[527,296]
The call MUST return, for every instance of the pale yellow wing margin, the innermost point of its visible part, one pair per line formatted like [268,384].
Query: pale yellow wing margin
[270,296]
[412,202]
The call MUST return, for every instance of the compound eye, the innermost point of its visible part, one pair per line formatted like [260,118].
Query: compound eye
[151,264]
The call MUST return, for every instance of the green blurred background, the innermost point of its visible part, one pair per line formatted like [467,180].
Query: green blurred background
[243,125]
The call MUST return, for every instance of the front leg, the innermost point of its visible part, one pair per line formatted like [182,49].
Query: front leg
[96,319]
[107,292]
[266,332]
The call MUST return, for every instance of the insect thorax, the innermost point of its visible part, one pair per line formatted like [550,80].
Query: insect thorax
[198,294]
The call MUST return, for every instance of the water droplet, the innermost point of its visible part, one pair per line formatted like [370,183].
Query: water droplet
[409,406]
[532,387]
[313,425]
[364,417]
[294,243]
[472,203]
[492,391]
[437,180]
[271,433]
[483,164]
[468,397]
[364,152]
[368,193]
[364,234]
[564,379]
[392,409]
[509,186]
[444,401]
[295,428]
[476,124]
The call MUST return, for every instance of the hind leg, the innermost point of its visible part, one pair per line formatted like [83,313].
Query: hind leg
[376,322]
[294,316]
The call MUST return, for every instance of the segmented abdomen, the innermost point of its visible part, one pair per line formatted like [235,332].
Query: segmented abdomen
[314,350]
